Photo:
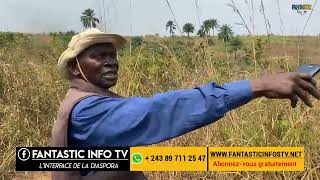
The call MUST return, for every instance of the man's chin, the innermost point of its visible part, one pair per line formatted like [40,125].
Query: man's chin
[109,84]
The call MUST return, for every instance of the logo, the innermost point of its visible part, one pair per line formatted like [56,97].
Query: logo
[23,154]
[302,8]
[136,158]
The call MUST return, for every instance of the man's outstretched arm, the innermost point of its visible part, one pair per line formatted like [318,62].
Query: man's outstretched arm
[133,121]
[105,121]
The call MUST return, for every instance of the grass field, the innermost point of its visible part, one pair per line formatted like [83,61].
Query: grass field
[31,89]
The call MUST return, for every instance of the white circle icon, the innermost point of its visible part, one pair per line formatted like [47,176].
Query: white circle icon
[23,154]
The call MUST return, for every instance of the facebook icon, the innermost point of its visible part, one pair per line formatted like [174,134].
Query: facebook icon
[23,154]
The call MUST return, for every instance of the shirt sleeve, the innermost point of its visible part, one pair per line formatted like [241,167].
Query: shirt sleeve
[134,121]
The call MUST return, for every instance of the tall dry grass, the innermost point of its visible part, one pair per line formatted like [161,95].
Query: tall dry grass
[31,89]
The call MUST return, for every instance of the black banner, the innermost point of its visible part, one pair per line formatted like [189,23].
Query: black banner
[72,159]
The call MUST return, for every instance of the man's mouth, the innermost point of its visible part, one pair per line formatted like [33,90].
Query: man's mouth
[110,76]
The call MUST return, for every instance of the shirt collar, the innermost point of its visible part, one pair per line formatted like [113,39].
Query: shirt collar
[85,86]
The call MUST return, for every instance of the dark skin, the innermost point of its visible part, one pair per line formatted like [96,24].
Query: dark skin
[292,86]
[100,65]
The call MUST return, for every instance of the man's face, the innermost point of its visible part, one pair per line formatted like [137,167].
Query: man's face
[100,65]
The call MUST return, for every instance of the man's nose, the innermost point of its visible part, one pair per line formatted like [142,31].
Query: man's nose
[110,63]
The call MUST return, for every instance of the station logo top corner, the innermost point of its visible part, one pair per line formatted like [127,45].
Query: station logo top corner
[302,8]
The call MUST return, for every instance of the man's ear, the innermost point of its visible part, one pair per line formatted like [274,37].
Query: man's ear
[73,69]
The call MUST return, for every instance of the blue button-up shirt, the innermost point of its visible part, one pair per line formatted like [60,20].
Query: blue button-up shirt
[134,121]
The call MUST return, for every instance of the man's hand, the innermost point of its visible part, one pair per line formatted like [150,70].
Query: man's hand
[293,86]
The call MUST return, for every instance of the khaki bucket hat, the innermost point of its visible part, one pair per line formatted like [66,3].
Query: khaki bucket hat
[82,41]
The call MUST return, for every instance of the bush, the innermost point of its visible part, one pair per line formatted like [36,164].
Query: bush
[137,41]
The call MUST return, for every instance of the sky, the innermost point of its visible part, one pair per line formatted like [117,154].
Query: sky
[148,17]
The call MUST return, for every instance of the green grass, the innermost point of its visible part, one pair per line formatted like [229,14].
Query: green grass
[31,89]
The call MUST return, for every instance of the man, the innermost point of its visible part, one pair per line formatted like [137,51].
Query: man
[92,115]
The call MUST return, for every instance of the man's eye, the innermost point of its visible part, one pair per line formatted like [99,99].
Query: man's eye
[104,55]
[101,56]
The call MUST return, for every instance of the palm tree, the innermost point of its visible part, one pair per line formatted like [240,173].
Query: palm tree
[88,19]
[207,25]
[214,24]
[171,26]
[201,32]
[188,28]
[225,35]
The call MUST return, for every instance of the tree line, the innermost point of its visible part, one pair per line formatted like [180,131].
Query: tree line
[206,27]
[225,32]
[89,20]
